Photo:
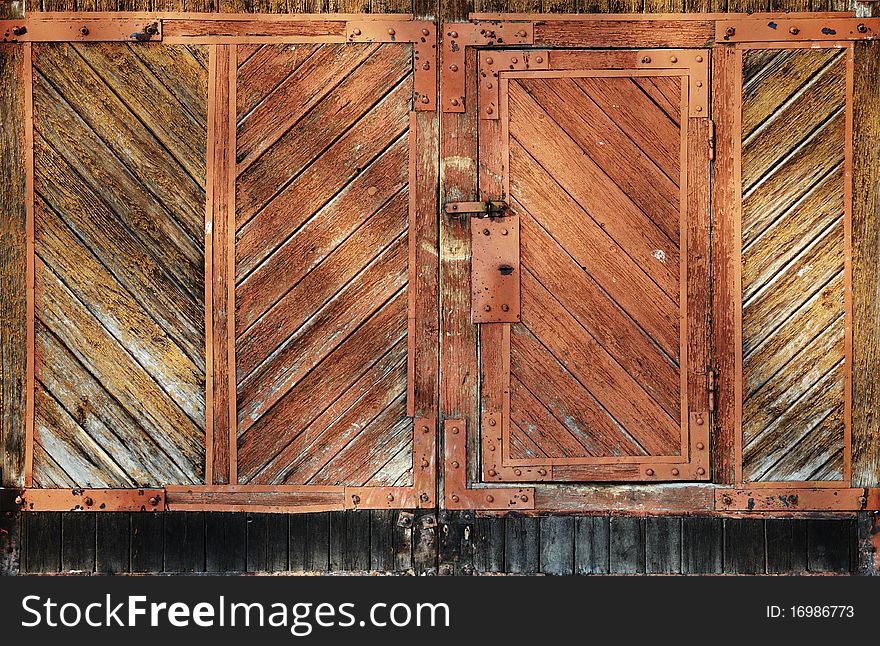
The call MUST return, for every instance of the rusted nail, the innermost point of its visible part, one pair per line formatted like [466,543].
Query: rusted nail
[794,31]
[88,502]
[700,420]
[862,28]
[539,59]
[524,498]
[542,472]
[424,497]
[455,464]
[454,101]
[489,86]
[699,84]
[486,232]
[391,32]
[453,34]
[505,308]
[391,497]
[455,430]
[649,472]
[426,429]
[514,60]
[504,232]
[493,472]
[426,32]
[646,59]
[425,463]
[521,33]
[489,110]
[863,501]
[154,501]
[673,59]
[426,65]
[454,68]
[357,32]
[730,31]
[699,108]
[19,500]
[518,472]
[490,498]
[726,499]
[487,308]
[489,61]
[675,472]
[699,59]
[84,31]
[454,498]
[701,446]
[425,99]
[492,422]
[356,499]
[701,471]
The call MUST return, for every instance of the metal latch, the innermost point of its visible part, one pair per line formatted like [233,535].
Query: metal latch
[476,209]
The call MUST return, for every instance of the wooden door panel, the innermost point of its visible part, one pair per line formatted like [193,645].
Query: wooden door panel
[119,138]
[795,241]
[602,169]
[323,265]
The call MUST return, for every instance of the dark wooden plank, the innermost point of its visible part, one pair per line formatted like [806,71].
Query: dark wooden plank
[277,543]
[868,535]
[12,537]
[185,541]
[592,545]
[522,545]
[225,542]
[829,545]
[147,542]
[381,540]
[489,544]
[43,543]
[317,556]
[786,545]
[627,545]
[337,541]
[663,545]
[297,544]
[557,545]
[12,264]
[403,542]
[744,547]
[357,541]
[702,545]
[78,541]
[866,266]
[113,548]
[425,542]
[258,542]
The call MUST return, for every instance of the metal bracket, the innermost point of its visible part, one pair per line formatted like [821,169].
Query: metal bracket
[781,498]
[91,500]
[693,62]
[422,34]
[477,209]
[494,469]
[495,270]
[46,29]
[493,62]
[458,36]
[456,494]
[785,29]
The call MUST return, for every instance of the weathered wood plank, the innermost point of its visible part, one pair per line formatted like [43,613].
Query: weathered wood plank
[786,546]
[522,545]
[744,546]
[225,542]
[113,549]
[185,540]
[592,545]
[702,540]
[147,542]
[43,543]
[866,266]
[317,556]
[663,545]
[557,545]
[828,546]
[627,545]
[381,540]
[78,540]
[488,544]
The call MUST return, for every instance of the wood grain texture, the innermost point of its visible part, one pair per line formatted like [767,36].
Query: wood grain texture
[333,260]
[793,277]
[12,267]
[120,372]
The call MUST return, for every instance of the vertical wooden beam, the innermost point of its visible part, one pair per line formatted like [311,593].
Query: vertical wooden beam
[866,266]
[13,219]
[725,256]
[220,434]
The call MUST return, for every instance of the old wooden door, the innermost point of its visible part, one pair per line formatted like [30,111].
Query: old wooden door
[592,288]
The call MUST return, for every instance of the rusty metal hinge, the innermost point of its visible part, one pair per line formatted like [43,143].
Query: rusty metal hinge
[710,389]
[711,140]
[476,209]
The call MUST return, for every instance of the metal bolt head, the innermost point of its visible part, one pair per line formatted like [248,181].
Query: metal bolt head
[154,501]
[675,472]
[492,422]
[524,498]
[794,31]
[649,472]
[493,472]
[453,68]
[699,420]
[424,497]
[453,34]
[862,28]
[489,61]
[539,59]
[863,501]
[505,308]
[490,498]
[700,446]
[391,32]
[542,472]
[487,308]
[699,108]
[356,499]
[425,99]
[699,84]
[518,472]
[454,102]
[646,59]
[19,500]
[357,32]
[454,498]
[514,60]
[426,32]
[391,497]
[699,59]
[84,31]
[730,31]
[88,502]
[673,59]
[489,86]
[701,471]
[426,66]
[455,430]
[455,464]
[426,429]
[726,499]
[521,33]
[489,110]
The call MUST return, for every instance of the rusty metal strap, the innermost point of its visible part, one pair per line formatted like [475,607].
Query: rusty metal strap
[795,29]
[82,29]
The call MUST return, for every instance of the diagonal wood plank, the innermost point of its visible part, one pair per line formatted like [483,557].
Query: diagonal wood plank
[338,166]
[588,185]
[625,164]
[322,233]
[522,447]
[595,252]
[329,119]
[262,68]
[665,91]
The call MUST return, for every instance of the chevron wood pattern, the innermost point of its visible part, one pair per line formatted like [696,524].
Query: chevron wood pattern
[119,179]
[595,367]
[793,264]
[323,264]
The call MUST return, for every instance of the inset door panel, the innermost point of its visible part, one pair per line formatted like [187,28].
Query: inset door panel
[602,373]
